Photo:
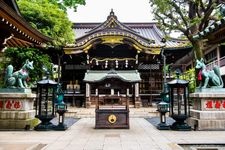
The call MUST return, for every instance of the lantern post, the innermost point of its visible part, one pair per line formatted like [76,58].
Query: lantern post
[163,106]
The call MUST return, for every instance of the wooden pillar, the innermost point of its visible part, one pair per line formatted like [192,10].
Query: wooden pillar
[88,95]
[128,92]
[137,96]
[136,61]
[218,55]
[96,99]
[96,92]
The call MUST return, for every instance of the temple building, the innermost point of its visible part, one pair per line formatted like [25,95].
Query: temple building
[117,61]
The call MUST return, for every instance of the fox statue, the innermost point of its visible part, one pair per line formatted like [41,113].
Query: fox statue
[208,78]
[18,79]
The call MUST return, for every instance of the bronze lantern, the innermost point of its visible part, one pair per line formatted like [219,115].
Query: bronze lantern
[179,104]
[45,104]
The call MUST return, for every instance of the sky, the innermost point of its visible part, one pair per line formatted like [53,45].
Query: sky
[125,10]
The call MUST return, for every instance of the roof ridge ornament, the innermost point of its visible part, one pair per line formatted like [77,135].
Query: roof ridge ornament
[112,14]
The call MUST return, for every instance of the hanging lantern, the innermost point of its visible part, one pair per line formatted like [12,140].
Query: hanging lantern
[116,63]
[126,63]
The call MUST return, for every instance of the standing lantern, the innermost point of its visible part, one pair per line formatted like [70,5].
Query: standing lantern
[61,109]
[46,95]
[163,108]
[179,105]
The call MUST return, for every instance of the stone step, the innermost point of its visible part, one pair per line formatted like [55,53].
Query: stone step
[90,112]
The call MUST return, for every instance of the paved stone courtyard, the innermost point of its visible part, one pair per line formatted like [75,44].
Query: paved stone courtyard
[142,135]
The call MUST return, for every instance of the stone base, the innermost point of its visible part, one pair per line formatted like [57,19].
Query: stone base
[17,115]
[208,115]
[213,125]
[207,120]
[137,104]
[208,111]
[9,124]
[88,104]
[15,90]
[210,90]
[16,111]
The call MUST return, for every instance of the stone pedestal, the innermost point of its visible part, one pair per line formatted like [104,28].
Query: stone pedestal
[88,104]
[208,112]
[16,110]
[137,103]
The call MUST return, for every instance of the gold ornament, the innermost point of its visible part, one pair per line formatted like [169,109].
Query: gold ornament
[112,118]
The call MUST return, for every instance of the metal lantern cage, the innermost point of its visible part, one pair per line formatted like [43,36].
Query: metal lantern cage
[179,103]
[45,104]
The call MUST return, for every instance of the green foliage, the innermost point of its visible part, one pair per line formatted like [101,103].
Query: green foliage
[18,57]
[190,76]
[64,4]
[184,16]
[48,19]
[187,16]
[4,61]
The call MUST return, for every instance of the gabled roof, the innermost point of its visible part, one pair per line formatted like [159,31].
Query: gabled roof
[145,36]
[15,31]
[112,24]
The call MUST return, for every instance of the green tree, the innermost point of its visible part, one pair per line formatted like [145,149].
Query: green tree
[187,16]
[64,4]
[190,76]
[49,19]
[18,56]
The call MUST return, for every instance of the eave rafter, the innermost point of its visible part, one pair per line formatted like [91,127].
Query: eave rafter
[19,28]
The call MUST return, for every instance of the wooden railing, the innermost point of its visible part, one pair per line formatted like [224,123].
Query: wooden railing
[219,63]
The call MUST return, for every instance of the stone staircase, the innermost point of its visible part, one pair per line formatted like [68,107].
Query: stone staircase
[143,112]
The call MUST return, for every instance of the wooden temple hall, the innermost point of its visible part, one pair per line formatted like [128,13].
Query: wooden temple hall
[116,62]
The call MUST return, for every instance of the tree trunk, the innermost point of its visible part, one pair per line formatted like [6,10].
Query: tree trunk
[198,49]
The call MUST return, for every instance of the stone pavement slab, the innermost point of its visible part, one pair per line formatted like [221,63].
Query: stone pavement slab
[82,136]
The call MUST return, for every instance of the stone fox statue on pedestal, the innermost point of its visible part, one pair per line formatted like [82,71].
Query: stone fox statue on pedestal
[208,78]
[18,78]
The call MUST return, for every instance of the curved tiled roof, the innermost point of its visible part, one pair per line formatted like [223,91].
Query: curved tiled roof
[144,35]
[147,30]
